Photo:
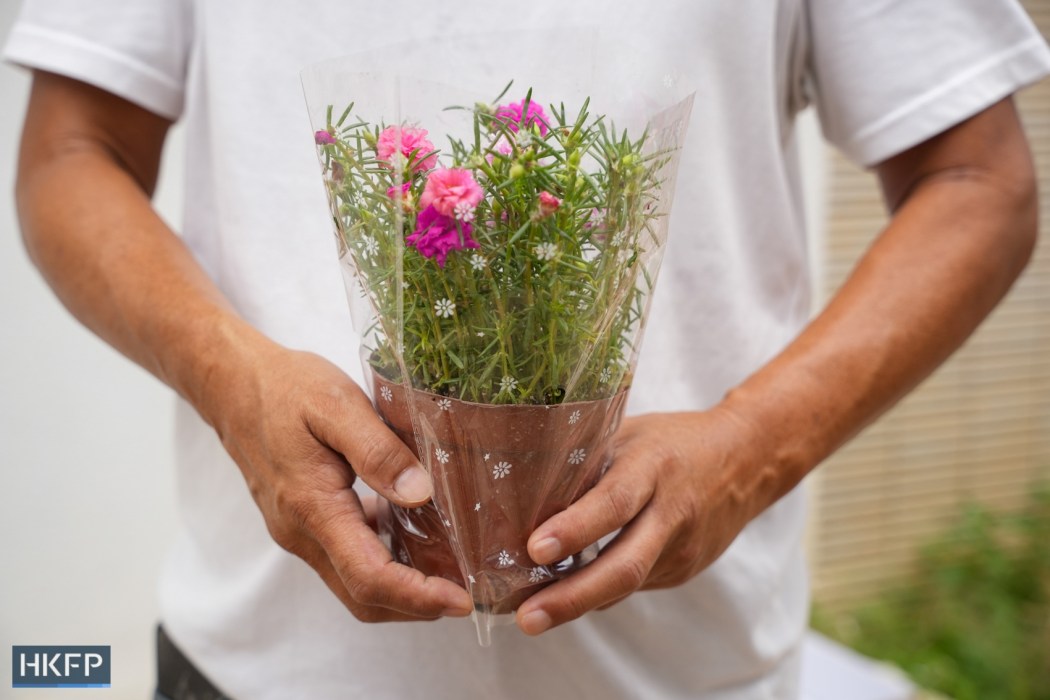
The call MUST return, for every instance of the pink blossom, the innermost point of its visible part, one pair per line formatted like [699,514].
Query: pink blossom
[548,203]
[436,235]
[511,115]
[595,219]
[393,192]
[410,143]
[449,188]
[323,138]
[501,146]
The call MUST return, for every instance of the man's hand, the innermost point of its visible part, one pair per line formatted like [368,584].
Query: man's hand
[301,431]
[684,485]
[293,422]
[676,488]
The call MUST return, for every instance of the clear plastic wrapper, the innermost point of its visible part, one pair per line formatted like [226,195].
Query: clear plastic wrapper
[500,240]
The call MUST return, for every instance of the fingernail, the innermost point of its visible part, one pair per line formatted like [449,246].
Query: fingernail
[460,607]
[546,550]
[535,622]
[413,485]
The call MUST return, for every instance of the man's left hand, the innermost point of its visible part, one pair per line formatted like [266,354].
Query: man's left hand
[675,491]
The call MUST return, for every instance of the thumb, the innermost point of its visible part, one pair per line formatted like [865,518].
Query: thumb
[350,426]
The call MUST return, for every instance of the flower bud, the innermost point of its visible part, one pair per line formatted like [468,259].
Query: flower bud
[517,171]
[548,203]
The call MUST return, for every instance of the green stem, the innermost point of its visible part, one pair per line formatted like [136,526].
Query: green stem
[439,340]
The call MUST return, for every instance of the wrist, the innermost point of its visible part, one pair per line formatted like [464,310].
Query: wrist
[775,453]
[215,360]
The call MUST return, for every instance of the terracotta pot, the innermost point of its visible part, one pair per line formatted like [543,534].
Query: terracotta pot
[499,472]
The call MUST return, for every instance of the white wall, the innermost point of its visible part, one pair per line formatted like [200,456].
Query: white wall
[86,479]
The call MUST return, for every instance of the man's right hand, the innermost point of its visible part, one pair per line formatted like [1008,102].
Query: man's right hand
[293,422]
[301,431]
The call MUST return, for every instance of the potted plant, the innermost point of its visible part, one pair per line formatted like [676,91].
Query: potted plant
[507,276]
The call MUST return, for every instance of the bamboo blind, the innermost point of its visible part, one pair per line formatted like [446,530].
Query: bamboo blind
[977,430]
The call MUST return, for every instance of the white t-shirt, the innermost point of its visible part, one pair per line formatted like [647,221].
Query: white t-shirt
[733,290]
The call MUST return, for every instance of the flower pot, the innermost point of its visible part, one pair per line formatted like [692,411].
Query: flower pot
[499,471]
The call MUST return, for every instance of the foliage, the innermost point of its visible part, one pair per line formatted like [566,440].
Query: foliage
[975,622]
[548,306]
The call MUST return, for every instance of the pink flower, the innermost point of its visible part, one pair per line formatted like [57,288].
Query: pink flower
[394,193]
[449,188]
[436,235]
[548,203]
[501,146]
[511,115]
[323,138]
[410,143]
[595,219]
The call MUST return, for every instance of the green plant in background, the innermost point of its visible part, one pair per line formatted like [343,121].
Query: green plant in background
[974,624]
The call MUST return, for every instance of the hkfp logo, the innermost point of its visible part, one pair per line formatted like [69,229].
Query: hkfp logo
[59,667]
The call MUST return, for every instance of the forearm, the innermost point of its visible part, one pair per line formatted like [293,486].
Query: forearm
[948,257]
[292,421]
[89,226]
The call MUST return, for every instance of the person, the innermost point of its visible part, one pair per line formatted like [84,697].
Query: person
[738,395]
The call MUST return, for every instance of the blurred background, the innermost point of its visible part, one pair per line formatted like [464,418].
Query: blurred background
[929,538]
[930,533]
[87,483]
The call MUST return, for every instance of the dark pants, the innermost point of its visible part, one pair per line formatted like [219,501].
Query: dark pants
[177,677]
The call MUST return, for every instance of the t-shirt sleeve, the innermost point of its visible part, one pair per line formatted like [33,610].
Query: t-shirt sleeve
[137,49]
[889,74]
